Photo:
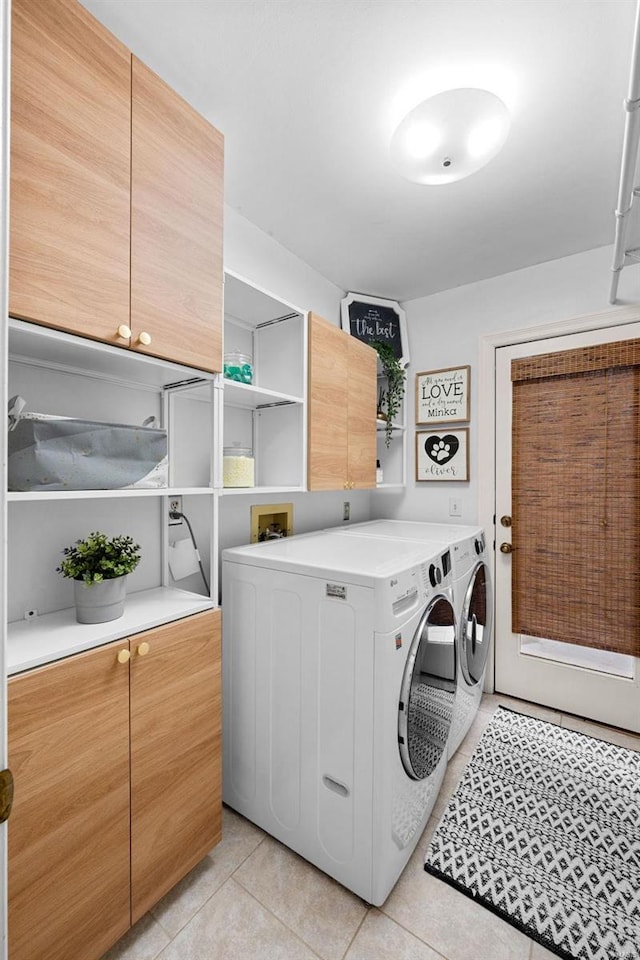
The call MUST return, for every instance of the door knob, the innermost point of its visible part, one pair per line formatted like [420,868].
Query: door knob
[143,649]
[506,548]
[124,331]
[144,338]
[123,656]
[505,521]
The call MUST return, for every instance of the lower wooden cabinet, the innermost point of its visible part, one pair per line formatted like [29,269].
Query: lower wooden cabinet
[117,773]
[176,786]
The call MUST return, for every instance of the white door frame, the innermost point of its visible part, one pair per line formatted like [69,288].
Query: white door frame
[613,316]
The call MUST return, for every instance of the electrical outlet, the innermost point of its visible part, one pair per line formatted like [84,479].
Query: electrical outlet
[346,510]
[455,506]
[175,506]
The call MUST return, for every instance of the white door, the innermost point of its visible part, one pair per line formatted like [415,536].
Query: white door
[590,683]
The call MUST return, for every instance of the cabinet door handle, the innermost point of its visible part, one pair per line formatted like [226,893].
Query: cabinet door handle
[143,649]
[6,794]
[123,656]
[124,331]
[144,338]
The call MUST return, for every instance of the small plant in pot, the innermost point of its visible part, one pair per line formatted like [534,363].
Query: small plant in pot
[389,400]
[98,566]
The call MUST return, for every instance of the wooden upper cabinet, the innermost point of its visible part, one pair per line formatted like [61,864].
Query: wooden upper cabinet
[342,409]
[176,786]
[327,398]
[176,226]
[68,833]
[116,193]
[70,170]
[362,403]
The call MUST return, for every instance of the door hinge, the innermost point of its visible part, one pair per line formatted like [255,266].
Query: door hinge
[6,794]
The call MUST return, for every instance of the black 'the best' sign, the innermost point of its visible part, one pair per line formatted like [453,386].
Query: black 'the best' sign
[370,319]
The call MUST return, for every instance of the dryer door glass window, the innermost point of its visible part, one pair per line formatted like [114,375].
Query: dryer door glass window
[475,625]
[428,691]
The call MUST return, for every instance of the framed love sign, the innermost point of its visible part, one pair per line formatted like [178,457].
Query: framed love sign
[442,454]
[442,396]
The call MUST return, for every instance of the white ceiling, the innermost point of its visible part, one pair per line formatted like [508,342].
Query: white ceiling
[307,93]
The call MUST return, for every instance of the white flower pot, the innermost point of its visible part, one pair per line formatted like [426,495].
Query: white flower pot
[99,602]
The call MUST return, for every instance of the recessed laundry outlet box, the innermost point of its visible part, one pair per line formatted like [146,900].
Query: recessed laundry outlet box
[271,521]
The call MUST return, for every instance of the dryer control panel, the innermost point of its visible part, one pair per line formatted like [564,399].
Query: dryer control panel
[466,553]
[404,593]
[438,570]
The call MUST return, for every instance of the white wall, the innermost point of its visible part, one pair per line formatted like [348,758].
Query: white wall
[445,329]
[258,258]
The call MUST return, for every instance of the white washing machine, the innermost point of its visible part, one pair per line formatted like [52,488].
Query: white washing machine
[339,676]
[472,601]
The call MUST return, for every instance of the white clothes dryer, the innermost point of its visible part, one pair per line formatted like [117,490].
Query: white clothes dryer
[339,678]
[472,601]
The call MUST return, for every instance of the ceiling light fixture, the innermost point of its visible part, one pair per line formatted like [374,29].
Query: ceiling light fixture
[450,136]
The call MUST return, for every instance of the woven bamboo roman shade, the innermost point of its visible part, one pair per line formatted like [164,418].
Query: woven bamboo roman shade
[575,488]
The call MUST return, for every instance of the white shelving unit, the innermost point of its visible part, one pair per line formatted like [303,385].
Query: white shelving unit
[394,457]
[269,415]
[58,373]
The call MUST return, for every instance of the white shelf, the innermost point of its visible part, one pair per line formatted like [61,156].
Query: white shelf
[44,346]
[390,486]
[32,495]
[250,397]
[396,427]
[53,636]
[258,491]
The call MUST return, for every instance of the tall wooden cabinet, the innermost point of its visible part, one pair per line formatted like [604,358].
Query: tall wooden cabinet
[116,758]
[116,193]
[342,409]
[115,251]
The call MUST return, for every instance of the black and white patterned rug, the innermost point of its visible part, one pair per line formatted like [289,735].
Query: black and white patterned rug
[544,830]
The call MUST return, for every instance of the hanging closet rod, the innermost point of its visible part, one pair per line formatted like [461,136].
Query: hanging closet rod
[627,191]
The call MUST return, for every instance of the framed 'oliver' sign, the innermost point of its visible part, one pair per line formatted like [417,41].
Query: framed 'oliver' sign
[370,319]
[442,454]
[442,396]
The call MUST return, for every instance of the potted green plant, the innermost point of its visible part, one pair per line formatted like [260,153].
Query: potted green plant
[389,400]
[98,566]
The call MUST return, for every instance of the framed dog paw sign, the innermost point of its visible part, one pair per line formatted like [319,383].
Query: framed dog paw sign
[442,454]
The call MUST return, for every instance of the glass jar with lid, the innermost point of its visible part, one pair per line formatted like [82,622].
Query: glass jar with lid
[238,366]
[238,466]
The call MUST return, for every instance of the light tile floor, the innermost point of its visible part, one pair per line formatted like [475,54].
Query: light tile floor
[253,899]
